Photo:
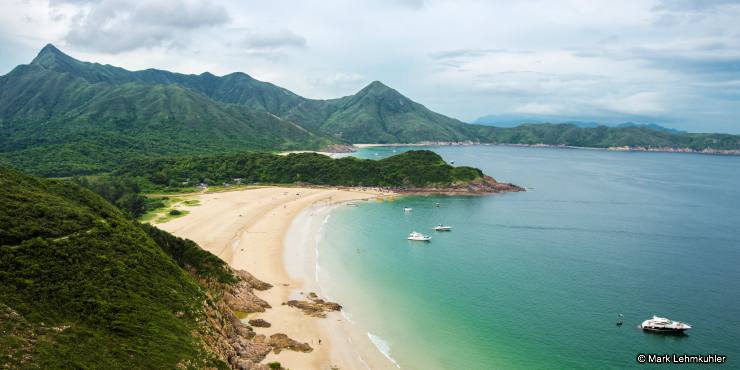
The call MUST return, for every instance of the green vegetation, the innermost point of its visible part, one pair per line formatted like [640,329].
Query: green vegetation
[604,137]
[121,192]
[102,114]
[191,202]
[172,214]
[63,117]
[190,256]
[410,169]
[275,365]
[84,286]
[378,114]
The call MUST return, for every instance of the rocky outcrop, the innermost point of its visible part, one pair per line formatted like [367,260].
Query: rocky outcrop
[280,342]
[253,282]
[259,323]
[315,306]
[480,186]
[224,334]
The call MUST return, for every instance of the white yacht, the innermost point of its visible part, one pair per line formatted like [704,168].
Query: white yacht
[661,324]
[419,237]
[407,209]
[441,227]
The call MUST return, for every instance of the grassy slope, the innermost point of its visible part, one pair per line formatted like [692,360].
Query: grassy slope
[83,286]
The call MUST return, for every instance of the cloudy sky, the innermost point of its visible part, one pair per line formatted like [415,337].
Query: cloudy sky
[675,63]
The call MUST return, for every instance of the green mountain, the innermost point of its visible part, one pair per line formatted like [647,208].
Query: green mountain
[60,116]
[378,114]
[235,88]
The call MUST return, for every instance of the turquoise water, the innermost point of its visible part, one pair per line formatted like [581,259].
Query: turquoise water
[535,280]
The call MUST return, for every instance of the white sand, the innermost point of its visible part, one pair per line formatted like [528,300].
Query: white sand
[247,229]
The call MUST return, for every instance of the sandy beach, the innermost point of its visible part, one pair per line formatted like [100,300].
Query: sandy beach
[248,229]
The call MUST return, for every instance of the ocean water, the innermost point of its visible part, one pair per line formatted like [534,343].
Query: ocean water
[536,280]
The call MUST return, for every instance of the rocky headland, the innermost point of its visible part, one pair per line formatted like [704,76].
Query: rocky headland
[224,333]
[481,186]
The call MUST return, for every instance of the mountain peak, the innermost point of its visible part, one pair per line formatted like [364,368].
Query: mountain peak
[377,88]
[49,56]
[377,85]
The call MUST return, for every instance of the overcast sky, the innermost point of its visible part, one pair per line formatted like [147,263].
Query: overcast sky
[675,63]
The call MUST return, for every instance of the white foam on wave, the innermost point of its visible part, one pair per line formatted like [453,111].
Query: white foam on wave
[383,347]
[319,235]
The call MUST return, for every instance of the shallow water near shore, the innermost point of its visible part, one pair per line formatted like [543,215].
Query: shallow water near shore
[536,280]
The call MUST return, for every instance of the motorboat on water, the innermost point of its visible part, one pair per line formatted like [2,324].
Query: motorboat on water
[441,227]
[663,325]
[407,209]
[419,237]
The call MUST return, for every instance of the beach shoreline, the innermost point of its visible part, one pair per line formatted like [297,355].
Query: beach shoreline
[272,232]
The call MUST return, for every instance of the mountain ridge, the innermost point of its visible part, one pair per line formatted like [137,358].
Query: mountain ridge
[61,117]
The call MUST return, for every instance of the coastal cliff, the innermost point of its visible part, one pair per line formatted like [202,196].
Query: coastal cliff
[227,337]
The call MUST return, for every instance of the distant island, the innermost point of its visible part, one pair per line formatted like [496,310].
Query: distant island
[508,120]
[63,117]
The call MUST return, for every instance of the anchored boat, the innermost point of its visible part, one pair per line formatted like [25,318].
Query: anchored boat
[441,227]
[419,237]
[663,325]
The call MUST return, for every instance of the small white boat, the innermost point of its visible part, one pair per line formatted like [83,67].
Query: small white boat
[407,209]
[419,237]
[441,227]
[663,325]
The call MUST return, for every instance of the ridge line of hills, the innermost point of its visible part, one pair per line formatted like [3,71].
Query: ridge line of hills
[61,117]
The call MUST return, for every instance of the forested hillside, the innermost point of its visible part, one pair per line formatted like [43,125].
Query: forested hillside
[410,169]
[84,286]
[61,117]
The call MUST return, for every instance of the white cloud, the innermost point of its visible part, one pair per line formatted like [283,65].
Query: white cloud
[540,109]
[115,26]
[273,40]
[645,103]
